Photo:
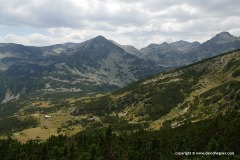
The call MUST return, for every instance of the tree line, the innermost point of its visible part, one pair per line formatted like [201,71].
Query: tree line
[220,134]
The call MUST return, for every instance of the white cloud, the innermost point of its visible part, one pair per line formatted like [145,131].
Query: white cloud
[136,22]
[12,38]
[31,39]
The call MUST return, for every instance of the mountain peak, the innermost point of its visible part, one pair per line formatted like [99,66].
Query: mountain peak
[153,45]
[224,34]
[180,42]
[220,38]
[100,37]
[164,44]
[98,41]
[196,42]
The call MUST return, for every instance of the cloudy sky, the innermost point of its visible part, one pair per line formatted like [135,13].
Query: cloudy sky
[135,22]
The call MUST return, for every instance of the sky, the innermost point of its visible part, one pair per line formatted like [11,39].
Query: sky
[133,22]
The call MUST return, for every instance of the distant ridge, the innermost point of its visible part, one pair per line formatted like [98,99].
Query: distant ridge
[97,65]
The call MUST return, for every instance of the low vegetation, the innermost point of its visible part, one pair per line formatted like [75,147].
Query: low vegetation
[194,97]
[220,134]
[11,125]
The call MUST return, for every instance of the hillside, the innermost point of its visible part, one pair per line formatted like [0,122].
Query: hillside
[192,93]
[94,66]
[216,138]
[187,95]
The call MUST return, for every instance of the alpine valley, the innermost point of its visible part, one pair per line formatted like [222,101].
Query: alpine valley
[122,102]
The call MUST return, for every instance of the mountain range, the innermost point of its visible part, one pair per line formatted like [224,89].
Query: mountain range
[103,100]
[182,53]
[193,93]
[97,65]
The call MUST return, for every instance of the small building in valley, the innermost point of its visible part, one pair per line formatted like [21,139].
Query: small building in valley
[48,116]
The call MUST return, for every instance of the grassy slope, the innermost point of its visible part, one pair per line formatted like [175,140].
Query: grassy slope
[192,93]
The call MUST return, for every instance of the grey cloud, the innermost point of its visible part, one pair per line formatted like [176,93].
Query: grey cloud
[65,14]
[156,5]
[144,20]
[57,13]
[205,8]
[217,8]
